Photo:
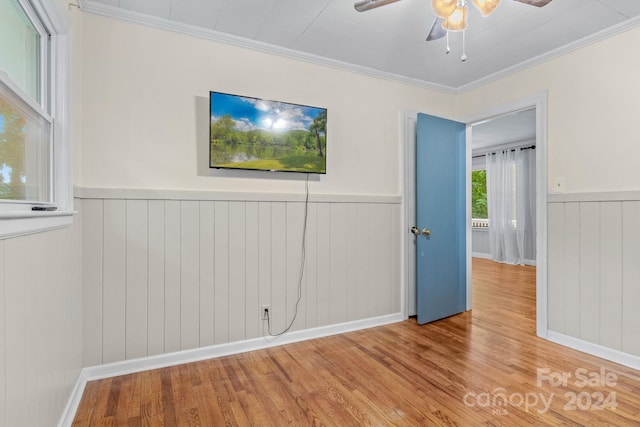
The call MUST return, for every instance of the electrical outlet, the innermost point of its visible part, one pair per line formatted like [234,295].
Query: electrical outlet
[264,311]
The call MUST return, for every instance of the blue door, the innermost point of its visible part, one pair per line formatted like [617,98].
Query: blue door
[440,218]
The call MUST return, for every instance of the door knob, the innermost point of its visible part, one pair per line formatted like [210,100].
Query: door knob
[418,232]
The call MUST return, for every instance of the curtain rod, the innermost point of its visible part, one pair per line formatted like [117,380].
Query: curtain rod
[532,147]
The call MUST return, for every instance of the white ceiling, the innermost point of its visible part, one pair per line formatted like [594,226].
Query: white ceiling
[506,129]
[391,39]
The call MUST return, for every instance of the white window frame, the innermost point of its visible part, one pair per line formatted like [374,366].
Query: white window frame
[479,223]
[18,218]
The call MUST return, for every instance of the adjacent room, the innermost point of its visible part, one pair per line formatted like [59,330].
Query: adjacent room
[269,212]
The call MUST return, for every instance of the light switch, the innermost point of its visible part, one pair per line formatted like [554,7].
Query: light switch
[558,185]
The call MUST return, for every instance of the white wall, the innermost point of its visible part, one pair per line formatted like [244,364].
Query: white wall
[149,247]
[139,110]
[593,121]
[40,326]
[143,107]
[592,136]
[145,112]
[40,323]
[480,242]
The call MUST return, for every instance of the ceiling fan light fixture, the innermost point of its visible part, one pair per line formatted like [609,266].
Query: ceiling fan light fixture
[364,5]
[486,7]
[457,21]
[444,8]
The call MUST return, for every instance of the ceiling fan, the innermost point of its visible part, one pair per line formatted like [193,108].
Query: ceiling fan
[451,15]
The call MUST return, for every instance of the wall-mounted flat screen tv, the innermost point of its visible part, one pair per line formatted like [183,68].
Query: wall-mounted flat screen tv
[258,134]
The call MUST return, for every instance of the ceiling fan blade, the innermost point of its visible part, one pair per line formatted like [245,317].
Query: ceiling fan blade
[436,32]
[364,5]
[538,3]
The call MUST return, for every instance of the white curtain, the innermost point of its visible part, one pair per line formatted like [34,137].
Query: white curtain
[511,195]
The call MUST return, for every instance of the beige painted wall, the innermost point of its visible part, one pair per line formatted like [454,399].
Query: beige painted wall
[593,116]
[142,112]
[593,143]
[141,104]
[144,106]
[139,94]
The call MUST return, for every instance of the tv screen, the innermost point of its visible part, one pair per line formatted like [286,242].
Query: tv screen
[258,134]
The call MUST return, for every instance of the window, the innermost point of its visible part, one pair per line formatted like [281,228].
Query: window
[21,47]
[25,136]
[479,209]
[34,101]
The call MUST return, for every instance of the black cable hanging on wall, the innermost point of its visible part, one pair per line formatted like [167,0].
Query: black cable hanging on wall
[302,263]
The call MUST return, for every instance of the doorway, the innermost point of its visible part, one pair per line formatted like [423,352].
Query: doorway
[539,103]
[504,146]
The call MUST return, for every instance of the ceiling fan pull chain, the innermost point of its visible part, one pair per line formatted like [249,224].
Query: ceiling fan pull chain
[448,48]
[464,49]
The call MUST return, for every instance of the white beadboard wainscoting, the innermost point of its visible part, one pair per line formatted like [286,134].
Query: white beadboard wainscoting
[40,326]
[594,273]
[480,243]
[166,271]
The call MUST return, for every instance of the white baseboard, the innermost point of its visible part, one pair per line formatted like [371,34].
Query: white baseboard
[74,401]
[480,255]
[203,353]
[488,256]
[597,350]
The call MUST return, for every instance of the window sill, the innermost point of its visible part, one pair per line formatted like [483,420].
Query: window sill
[14,224]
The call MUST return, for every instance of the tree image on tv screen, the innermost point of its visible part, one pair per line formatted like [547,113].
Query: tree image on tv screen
[250,133]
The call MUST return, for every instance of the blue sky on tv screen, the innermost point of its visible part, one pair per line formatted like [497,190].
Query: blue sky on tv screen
[252,113]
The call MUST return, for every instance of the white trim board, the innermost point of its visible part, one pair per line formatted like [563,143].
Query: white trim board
[70,409]
[162,194]
[21,225]
[530,262]
[480,255]
[408,219]
[210,352]
[595,350]
[609,196]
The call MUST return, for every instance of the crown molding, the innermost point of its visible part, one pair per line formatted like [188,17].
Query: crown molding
[563,50]
[54,14]
[204,33]
[91,6]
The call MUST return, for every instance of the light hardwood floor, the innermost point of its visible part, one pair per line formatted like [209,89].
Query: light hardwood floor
[446,373]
